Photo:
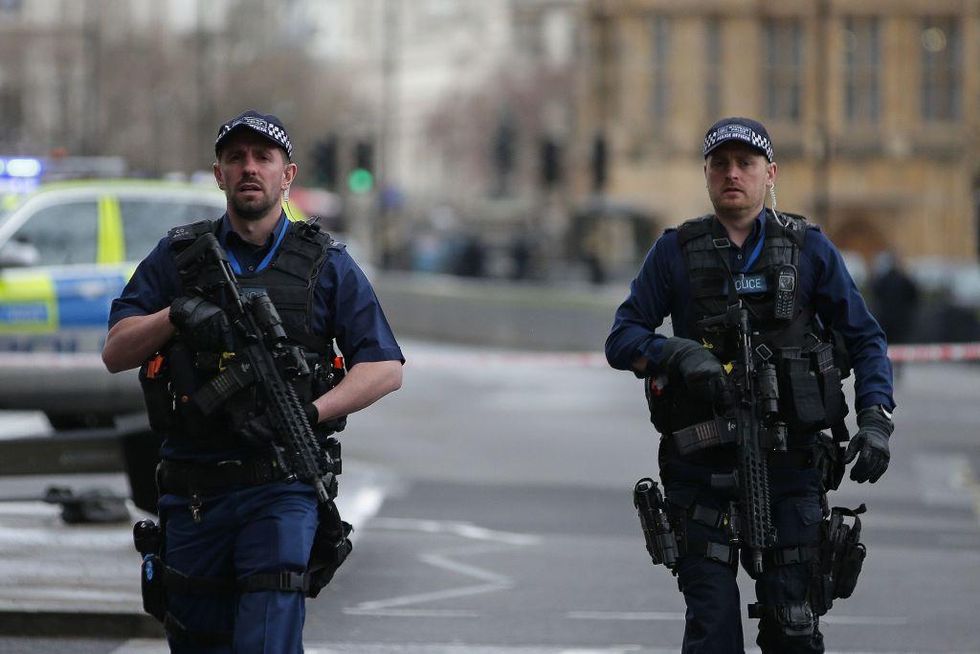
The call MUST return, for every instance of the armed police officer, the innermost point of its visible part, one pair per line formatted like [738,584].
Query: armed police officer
[765,317]
[226,372]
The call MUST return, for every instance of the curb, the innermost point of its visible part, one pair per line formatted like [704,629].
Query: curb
[92,624]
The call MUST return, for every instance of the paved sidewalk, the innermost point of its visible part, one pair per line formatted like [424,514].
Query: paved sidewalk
[61,579]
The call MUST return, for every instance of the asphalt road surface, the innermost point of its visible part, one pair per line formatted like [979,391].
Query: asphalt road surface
[507,525]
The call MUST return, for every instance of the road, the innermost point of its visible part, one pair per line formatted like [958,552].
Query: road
[507,525]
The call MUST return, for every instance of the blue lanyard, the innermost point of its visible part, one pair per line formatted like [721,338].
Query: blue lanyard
[758,247]
[233,260]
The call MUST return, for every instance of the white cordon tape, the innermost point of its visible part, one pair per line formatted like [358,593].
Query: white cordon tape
[937,352]
[897,353]
[452,359]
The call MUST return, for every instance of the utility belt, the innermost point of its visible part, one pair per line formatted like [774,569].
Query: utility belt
[189,479]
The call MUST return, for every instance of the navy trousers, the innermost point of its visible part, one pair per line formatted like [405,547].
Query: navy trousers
[266,528]
[714,610]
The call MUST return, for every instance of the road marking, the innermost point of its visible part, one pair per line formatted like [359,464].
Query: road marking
[865,620]
[969,481]
[143,646]
[358,507]
[665,616]
[945,480]
[490,581]
[623,615]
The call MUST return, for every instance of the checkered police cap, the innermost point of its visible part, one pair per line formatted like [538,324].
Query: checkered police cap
[742,129]
[268,126]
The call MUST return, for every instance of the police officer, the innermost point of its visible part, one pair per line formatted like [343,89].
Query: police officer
[228,514]
[798,293]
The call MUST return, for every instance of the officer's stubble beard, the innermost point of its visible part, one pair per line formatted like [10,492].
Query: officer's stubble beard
[253,211]
[256,210]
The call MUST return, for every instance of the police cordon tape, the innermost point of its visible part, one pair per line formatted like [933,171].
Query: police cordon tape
[927,353]
[436,357]
[937,352]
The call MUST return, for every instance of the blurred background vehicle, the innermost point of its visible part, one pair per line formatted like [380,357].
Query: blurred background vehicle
[66,250]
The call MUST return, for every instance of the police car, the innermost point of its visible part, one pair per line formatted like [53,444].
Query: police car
[66,250]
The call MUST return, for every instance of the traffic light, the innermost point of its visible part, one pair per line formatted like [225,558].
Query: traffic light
[361,178]
[325,165]
[550,170]
[504,154]
[599,163]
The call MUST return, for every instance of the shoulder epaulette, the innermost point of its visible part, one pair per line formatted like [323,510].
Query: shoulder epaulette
[310,230]
[693,228]
[190,232]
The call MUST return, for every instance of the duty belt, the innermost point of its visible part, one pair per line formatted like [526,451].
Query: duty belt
[189,479]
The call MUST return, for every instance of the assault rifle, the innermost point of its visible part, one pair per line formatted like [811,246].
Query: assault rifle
[756,406]
[262,356]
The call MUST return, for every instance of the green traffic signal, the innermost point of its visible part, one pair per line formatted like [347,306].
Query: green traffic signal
[360,181]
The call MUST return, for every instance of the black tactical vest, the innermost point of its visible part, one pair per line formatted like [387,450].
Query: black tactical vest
[784,332]
[290,280]
[707,250]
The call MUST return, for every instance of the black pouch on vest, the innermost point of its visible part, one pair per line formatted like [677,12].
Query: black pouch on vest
[154,376]
[829,380]
[800,392]
[184,383]
[828,459]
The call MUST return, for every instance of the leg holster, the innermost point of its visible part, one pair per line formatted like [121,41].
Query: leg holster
[331,546]
[158,579]
[841,558]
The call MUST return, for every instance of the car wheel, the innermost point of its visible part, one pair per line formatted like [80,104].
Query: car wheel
[70,421]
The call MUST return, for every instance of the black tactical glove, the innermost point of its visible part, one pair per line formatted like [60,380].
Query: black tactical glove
[205,325]
[699,369]
[870,445]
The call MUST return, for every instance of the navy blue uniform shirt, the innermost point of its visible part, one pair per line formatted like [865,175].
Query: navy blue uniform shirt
[662,289]
[344,303]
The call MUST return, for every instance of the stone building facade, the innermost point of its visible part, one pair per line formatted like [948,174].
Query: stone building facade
[873,106]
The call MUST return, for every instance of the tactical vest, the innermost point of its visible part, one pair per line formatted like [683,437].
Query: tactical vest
[706,249]
[785,333]
[290,281]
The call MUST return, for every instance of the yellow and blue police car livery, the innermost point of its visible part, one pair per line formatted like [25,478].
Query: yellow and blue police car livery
[65,307]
